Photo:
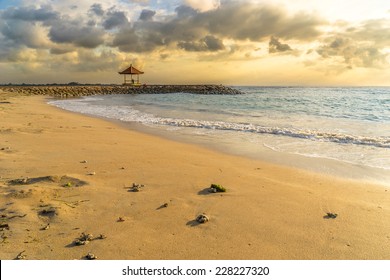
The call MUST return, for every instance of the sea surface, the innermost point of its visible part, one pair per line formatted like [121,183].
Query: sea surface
[339,127]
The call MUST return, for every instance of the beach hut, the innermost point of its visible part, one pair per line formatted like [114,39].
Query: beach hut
[131,71]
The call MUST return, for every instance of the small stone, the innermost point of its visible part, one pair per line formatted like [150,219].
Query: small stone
[84,161]
[21,256]
[202,218]
[212,190]
[86,236]
[67,185]
[330,215]
[165,205]
[91,256]
[46,227]
[216,188]
[136,187]
[91,173]
[79,242]
[83,239]
[102,236]
[120,219]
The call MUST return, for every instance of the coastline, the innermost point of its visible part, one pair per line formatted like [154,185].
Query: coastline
[269,211]
[319,165]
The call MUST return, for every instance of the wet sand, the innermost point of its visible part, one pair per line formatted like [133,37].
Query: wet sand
[64,174]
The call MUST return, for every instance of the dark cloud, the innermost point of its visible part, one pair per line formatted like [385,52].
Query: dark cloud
[115,19]
[22,33]
[60,50]
[377,31]
[184,11]
[232,20]
[208,43]
[188,29]
[359,45]
[77,34]
[213,43]
[354,53]
[131,39]
[43,14]
[97,9]
[92,22]
[147,15]
[255,22]
[236,22]
[91,61]
[23,27]
[276,46]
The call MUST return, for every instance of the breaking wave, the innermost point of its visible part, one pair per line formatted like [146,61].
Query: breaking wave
[129,114]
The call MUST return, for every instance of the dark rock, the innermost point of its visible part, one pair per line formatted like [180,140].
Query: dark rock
[85,90]
[202,218]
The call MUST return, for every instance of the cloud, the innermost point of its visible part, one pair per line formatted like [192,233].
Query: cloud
[354,53]
[212,31]
[255,22]
[201,26]
[184,11]
[74,32]
[25,27]
[97,9]
[208,43]
[136,39]
[60,50]
[203,5]
[106,60]
[377,31]
[30,13]
[230,20]
[23,33]
[275,46]
[40,27]
[360,45]
[115,19]
[147,15]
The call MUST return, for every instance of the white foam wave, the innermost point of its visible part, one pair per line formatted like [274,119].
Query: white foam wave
[129,114]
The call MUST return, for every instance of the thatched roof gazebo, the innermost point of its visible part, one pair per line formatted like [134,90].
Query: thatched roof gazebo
[131,71]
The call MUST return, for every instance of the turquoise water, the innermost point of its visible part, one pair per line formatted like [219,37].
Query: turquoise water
[349,125]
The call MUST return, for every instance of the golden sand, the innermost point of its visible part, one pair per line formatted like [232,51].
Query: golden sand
[268,211]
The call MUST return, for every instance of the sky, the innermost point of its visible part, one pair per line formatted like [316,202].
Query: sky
[231,42]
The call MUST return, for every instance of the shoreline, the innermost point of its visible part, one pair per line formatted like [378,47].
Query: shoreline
[322,165]
[318,165]
[269,211]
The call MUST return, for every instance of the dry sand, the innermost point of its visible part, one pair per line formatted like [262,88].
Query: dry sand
[268,211]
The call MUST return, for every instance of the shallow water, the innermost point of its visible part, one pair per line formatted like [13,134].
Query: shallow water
[345,125]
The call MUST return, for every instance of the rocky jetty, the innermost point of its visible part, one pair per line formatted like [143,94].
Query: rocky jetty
[85,90]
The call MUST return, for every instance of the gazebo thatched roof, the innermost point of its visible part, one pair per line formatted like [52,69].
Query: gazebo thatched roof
[131,71]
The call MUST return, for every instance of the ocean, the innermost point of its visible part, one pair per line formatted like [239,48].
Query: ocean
[338,130]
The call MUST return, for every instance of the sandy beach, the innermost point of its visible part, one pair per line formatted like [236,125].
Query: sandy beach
[65,174]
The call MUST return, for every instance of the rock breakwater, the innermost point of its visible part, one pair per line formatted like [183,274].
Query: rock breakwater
[86,90]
